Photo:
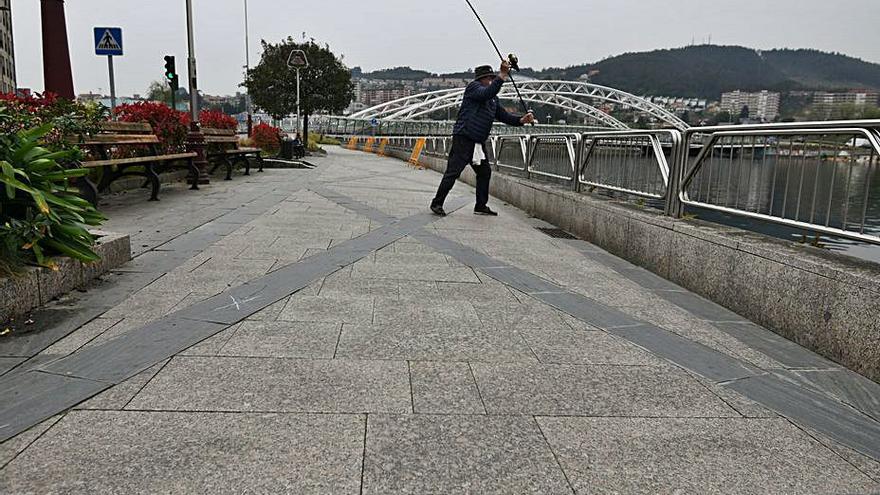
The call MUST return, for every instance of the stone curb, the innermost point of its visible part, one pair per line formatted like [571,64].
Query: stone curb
[37,286]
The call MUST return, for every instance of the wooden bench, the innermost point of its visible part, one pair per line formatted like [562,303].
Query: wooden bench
[224,149]
[107,149]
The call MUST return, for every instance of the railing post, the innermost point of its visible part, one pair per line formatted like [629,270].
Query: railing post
[677,165]
[578,157]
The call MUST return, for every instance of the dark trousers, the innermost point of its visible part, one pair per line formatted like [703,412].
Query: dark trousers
[460,156]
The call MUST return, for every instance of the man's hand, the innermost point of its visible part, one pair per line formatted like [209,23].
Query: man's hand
[504,71]
[528,118]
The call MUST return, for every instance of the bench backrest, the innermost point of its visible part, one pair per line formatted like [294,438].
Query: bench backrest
[223,137]
[119,133]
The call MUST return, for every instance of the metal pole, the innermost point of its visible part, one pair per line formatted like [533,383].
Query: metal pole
[112,87]
[297,105]
[247,62]
[191,65]
[195,138]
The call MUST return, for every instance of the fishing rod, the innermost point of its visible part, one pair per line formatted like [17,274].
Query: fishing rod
[511,58]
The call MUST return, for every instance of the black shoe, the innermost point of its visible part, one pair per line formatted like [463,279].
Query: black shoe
[484,210]
[438,210]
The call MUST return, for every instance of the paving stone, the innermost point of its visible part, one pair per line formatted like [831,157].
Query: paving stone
[82,336]
[814,410]
[700,307]
[775,346]
[559,343]
[141,452]
[8,363]
[33,396]
[271,312]
[127,355]
[359,288]
[457,454]
[279,385]
[421,339]
[338,309]
[117,396]
[283,339]
[707,456]
[517,388]
[492,292]
[430,272]
[155,262]
[698,358]
[444,388]
[16,445]
[845,385]
[424,313]
[586,309]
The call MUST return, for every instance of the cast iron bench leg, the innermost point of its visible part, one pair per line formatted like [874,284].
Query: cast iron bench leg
[153,178]
[194,173]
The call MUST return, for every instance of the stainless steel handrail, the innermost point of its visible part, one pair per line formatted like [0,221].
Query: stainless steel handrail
[572,143]
[800,207]
[815,176]
[655,139]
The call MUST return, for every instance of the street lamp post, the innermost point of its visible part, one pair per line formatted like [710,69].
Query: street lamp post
[195,138]
[247,61]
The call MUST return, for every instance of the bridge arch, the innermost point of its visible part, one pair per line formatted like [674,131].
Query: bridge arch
[573,91]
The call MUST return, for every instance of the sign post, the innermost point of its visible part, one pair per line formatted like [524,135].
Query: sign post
[298,60]
[108,41]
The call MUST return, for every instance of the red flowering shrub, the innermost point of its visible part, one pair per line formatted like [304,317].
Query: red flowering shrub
[171,126]
[216,119]
[267,137]
[69,118]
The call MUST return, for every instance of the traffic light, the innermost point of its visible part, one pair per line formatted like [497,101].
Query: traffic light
[171,73]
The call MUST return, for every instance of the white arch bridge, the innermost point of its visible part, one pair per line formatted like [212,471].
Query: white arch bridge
[578,97]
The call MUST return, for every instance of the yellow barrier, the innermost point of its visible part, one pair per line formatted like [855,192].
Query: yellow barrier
[353,143]
[368,146]
[417,152]
[381,150]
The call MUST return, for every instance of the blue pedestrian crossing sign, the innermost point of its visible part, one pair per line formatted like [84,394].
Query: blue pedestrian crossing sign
[108,41]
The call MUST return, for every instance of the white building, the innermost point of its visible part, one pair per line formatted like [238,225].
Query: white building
[763,105]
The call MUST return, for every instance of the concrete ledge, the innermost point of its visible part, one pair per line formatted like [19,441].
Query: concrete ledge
[824,301]
[37,286]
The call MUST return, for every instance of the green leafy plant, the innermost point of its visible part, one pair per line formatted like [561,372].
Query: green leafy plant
[41,214]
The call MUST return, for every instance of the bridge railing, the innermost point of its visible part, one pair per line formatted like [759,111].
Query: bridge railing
[630,162]
[553,156]
[820,177]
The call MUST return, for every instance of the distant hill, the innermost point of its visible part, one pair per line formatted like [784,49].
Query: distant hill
[703,71]
[706,71]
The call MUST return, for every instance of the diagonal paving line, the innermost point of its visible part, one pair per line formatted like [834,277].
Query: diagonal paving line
[819,411]
[33,396]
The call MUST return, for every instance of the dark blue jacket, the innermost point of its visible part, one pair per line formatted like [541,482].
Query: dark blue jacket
[479,109]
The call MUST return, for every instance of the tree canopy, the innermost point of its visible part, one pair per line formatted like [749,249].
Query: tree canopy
[324,86]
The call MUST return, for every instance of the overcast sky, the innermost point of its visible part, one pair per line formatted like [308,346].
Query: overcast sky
[438,35]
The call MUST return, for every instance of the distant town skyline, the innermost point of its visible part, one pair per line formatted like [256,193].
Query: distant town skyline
[439,36]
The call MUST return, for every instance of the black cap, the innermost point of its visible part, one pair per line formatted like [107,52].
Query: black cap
[483,71]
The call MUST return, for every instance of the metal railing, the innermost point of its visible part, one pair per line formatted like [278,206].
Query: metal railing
[820,177]
[629,162]
[554,156]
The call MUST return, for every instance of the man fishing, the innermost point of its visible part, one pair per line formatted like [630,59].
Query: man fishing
[479,109]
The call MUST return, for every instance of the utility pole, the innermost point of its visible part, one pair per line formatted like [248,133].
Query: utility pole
[195,138]
[247,62]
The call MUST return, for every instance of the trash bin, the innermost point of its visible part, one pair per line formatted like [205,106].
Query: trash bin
[286,151]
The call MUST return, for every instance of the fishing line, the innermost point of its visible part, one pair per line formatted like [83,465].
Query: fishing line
[514,62]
